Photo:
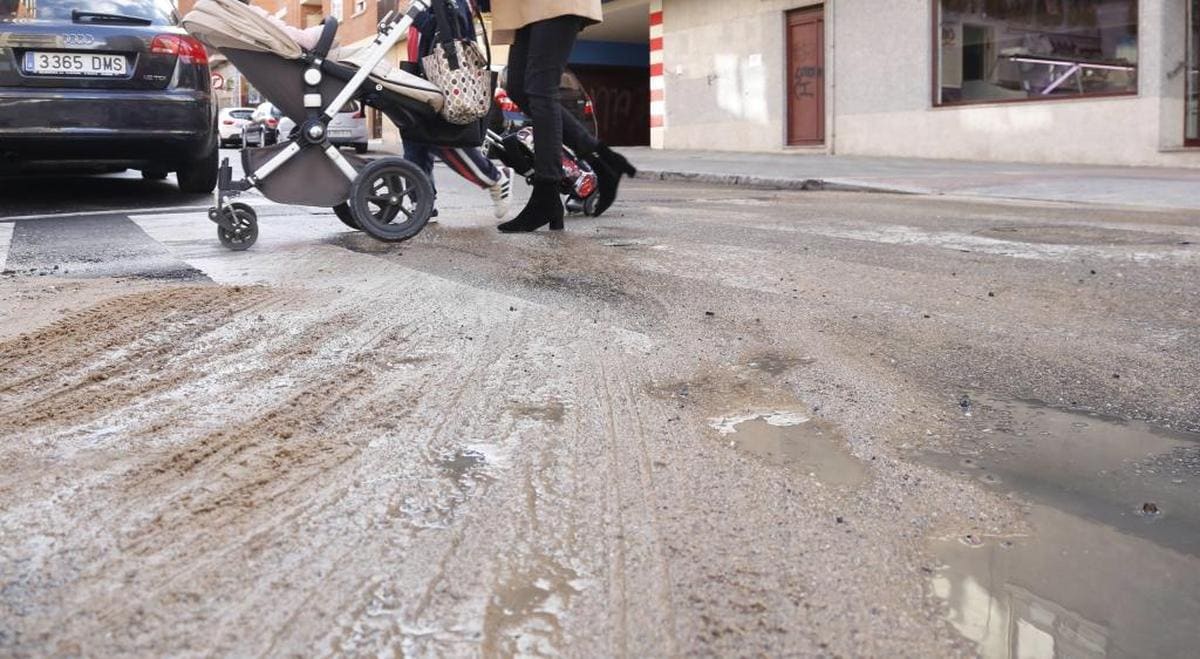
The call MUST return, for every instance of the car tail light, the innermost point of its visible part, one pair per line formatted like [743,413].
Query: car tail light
[228,122]
[359,115]
[588,110]
[187,49]
[272,123]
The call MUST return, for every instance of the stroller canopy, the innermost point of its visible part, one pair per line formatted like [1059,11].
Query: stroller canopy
[229,24]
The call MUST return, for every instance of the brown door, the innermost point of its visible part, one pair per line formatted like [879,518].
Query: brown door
[806,76]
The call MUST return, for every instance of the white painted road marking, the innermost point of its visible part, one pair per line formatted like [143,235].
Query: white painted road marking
[6,231]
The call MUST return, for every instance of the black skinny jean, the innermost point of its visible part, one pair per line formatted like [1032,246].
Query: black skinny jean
[536,61]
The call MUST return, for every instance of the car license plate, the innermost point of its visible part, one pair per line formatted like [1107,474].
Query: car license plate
[339,133]
[76,64]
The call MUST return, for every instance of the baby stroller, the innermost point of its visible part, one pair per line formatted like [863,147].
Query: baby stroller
[510,140]
[390,198]
[578,184]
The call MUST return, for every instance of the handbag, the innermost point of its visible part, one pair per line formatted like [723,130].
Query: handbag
[460,69]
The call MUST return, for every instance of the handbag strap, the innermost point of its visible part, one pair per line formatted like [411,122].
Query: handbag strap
[487,46]
[447,33]
[447,29]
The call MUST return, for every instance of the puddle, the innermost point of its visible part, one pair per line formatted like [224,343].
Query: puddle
[1112,567]
[1097,467]
[1078,235]
[777,364]
[1075,588]
[464,466]
[552,412]
[523,616]
[627,243]
[796,440]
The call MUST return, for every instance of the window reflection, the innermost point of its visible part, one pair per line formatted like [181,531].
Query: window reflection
[998,50]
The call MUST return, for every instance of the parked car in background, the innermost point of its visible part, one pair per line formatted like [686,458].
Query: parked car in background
[573,97]
[230,122]
[263,127]
[105,85]
[347,129]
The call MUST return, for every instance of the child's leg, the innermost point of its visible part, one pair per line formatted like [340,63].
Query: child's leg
[421,155]
[472,165]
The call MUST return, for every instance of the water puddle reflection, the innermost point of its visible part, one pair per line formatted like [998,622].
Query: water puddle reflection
[794,439]
[1112,567]
[1108,470]
[1075,588]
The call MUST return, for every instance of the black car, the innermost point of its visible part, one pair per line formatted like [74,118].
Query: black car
[105,84]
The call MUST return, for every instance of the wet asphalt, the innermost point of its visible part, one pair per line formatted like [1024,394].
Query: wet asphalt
[834,423]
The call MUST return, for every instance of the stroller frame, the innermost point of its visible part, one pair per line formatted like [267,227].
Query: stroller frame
[238,223]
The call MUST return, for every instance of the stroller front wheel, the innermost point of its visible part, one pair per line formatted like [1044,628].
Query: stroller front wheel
[245,231]
[391,199]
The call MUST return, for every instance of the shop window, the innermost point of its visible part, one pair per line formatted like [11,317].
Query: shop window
[1009,50]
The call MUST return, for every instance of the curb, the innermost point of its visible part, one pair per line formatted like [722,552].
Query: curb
[772,183]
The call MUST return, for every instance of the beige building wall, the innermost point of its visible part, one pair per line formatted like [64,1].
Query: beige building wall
[724,75]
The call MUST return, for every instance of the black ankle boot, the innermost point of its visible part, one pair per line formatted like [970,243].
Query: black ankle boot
[609,166]
[544,207]
[616,161]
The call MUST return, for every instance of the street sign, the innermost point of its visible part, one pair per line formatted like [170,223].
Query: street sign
[218,81]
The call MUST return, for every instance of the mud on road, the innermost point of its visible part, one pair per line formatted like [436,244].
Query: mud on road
[732,423]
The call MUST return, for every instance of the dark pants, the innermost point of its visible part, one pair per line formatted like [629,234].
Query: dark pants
[470,164]
[536,61]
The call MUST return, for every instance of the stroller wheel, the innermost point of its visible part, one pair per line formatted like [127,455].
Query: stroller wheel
[589,205]
[344,214]
[246,232]
[391,199]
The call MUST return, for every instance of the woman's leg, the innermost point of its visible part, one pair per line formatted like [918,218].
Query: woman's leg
[549,44]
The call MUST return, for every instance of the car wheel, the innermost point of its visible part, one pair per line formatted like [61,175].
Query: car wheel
[154,174]
[360,148]
[199,176]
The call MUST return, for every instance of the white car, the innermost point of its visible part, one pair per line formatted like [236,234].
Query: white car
[230,122]
[348,127]
[262,129]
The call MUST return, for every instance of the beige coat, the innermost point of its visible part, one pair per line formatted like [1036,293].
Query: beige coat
[508,16]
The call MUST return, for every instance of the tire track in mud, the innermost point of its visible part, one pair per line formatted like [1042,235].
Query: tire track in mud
[433,516]
[290,422]
[102,359]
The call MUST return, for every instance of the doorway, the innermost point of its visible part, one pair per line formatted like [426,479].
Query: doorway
[806,76]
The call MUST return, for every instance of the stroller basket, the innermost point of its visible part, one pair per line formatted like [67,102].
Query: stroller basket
[388,198]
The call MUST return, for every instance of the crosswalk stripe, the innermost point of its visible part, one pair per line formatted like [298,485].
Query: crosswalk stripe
[6,231]
[95,246]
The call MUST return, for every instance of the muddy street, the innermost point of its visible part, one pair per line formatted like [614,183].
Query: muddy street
[715,421]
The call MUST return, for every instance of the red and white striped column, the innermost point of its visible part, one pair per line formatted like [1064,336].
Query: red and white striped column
[658,105]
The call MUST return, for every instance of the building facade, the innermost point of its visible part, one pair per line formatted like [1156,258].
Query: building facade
[1080,81]
[1073,81]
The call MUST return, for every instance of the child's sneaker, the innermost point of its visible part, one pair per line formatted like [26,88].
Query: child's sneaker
[501,192]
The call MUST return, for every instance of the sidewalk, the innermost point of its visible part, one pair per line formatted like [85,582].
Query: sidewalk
[1145,187]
